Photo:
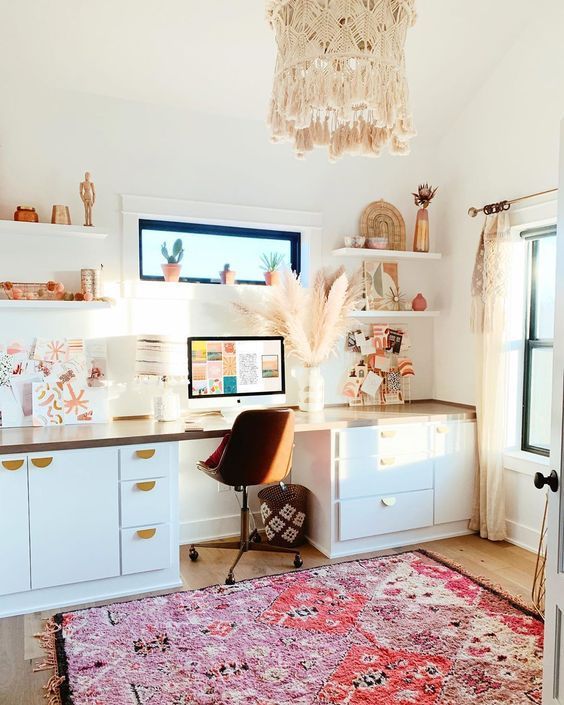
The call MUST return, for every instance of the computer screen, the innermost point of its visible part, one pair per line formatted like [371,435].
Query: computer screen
[235,367]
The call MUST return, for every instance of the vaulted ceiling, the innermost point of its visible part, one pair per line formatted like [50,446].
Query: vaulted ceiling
[217,56]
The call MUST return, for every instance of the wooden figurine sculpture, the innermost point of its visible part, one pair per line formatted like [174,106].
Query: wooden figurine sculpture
[88,196]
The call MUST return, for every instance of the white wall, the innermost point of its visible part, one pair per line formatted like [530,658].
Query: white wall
[48,139]
[504,145]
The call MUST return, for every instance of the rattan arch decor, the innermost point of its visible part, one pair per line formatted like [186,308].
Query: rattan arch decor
[382,219]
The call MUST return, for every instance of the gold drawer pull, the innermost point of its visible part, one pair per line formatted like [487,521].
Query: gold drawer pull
[388,501]
[387,434]
[442,429]
[146,486]
[387,461]
[146,533]
[12,464]
[145,454]
[41,462]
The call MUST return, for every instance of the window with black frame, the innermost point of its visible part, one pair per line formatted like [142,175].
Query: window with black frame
[539,341]
[208,248]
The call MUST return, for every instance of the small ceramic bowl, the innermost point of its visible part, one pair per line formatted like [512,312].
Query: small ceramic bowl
[377,243]
[354,241]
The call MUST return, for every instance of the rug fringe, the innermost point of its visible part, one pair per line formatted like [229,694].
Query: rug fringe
[515,600]
[48,640]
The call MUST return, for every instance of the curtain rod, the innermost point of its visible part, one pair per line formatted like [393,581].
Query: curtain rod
[492,208]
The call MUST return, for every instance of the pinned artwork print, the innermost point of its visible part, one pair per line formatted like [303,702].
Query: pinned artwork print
[52,382]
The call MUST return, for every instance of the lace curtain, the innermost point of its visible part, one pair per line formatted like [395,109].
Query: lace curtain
[489,323]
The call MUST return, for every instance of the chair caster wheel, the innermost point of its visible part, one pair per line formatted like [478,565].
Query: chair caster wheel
[298,561]
[230,579]
[193,554]
[257,538]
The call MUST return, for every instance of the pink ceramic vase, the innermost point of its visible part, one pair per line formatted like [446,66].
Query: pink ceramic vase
[419,303]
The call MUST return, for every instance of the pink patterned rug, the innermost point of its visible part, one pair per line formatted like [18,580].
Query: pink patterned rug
[402,629]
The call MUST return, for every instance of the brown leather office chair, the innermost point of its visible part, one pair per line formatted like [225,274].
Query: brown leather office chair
[258,452]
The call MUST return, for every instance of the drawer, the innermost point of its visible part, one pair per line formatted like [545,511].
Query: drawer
[144,502]
[146,548]
[140,462]
[383,440]
[385,514]
[381,474]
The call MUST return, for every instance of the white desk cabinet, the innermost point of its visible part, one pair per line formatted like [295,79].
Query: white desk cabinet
[387,485]
[86,525]
[74,516]
[455,470]
[14,525]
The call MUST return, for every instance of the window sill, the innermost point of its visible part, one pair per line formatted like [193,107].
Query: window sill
[525,463]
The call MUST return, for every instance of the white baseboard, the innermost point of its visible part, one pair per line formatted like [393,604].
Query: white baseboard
[522,536]
[213,529]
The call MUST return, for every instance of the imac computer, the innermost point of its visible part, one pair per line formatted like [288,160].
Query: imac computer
[230,373]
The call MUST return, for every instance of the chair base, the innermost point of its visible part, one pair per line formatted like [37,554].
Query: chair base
[248,541]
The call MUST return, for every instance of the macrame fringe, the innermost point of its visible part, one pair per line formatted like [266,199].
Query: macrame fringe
[340,76]
[48,640]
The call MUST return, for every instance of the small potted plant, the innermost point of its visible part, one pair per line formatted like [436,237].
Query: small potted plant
[271,263]
[171,270]
[227,275]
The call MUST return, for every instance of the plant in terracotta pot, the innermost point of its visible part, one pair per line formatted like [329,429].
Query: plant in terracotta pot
[271,263]
[227,275]
[171,270]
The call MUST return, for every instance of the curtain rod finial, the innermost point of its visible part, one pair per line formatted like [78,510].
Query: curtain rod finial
[473,212]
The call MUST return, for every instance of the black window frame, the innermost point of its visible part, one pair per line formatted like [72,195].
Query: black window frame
[171,227]
[531,341]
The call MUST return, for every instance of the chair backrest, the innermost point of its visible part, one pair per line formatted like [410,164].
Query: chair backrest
[259,450]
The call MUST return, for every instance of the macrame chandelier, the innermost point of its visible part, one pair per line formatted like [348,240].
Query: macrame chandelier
[340,75]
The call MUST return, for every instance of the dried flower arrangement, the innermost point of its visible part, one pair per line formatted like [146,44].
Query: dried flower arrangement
[310,320]
[424,195]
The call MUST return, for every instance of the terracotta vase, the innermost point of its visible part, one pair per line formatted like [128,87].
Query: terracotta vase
[419,303]
[171,272]
[421,235]
[227,276]
[272,278]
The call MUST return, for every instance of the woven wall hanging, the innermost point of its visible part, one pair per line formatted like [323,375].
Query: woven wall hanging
[340,75]
[381,219]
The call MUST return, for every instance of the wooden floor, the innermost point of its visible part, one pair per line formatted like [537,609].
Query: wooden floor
[505,564]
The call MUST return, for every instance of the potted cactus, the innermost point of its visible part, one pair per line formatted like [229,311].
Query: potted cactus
[270,264]
[171,269]
[227,275]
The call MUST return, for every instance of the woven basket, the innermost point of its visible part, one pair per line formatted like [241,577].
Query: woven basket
[381,219]
[283,511]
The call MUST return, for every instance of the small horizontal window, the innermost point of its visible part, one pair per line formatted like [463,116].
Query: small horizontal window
[209,248]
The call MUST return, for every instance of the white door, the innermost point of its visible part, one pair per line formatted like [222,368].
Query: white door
[553,685]
[14,525]
[74,516]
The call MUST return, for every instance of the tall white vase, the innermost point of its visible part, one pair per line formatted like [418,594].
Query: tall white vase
[311,389]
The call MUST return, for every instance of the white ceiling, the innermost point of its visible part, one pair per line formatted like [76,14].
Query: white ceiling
[217,55]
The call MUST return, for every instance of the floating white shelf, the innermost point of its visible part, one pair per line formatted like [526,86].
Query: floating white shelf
[18,228]
[66,305]
[394,314]
[365,253]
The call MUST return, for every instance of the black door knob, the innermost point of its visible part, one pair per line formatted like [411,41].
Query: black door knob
[550,480]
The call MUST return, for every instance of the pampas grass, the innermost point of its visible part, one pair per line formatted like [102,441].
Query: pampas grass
[311,321]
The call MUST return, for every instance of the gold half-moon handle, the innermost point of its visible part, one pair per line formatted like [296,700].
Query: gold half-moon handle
[146,486]
[442,429]
[41,462]
[387,434]
[13,464]
[146,533]
[388,501]
[387,461]
[146,453]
